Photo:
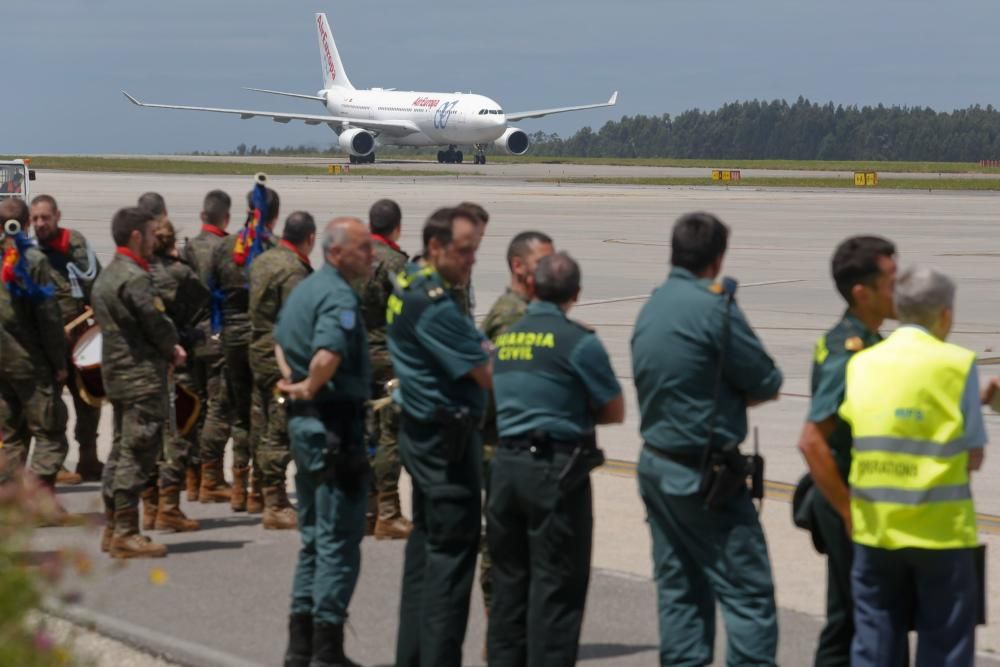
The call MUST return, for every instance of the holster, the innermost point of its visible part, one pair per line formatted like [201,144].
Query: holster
[584,458]
[457,426]
[725,476]
[346,456]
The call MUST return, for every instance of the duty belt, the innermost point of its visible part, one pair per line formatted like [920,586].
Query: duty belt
[542,443]
[690,458]
[326,409]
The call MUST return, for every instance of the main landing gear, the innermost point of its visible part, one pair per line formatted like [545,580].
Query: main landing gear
[450,156]
[480,156]
[363,159]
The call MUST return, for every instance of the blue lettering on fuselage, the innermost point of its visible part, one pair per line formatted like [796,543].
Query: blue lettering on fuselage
[443,114]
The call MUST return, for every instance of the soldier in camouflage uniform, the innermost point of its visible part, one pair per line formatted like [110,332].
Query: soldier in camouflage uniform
[33,354]
[229,274]
[384,222]
[75,269]
[273,276]
[523,254]
[140,345]
[207,483]
[186,301]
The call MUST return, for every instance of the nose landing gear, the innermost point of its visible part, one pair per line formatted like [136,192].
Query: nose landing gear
[480,156]
[450,156]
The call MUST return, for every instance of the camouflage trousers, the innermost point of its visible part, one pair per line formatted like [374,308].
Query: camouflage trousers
[34,410]
[239,379]
[88,418]
[212,431]
[140,429]
[269,430]
[173,459]
[384,434]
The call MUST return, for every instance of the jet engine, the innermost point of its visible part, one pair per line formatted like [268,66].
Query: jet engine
[357,141]
[513,142]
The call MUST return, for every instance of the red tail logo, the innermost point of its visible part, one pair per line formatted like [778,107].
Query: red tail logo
[326,48]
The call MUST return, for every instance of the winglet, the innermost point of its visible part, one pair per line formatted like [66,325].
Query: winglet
[133,100]
[614,99]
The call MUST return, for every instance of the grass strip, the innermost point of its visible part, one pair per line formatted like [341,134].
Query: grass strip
[209,167]
[978,184]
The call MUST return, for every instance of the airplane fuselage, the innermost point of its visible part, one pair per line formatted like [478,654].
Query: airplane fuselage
[443,118]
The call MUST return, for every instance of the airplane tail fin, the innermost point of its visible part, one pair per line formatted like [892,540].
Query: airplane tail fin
[334,75]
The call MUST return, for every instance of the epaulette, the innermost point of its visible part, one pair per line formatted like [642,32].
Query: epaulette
[435,292]
[715,288]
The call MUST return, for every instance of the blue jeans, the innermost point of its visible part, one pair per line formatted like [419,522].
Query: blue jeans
[934,591]
[332,524]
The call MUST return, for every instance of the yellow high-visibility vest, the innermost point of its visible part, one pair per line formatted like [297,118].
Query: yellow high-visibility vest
[909,472]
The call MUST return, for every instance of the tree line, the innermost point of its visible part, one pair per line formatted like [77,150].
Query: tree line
[802,130]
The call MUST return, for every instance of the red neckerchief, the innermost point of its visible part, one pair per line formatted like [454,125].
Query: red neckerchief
[381,239]
[59,242]
[143,264]
[302,258]
[212,229]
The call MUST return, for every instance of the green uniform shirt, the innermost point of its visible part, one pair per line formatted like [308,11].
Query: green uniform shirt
[675,352]
[32,342]
[550,374]
[184,296]
[833,350]
[433,346]
[77,264]
[198,254]
[322,314]
[374,295]
[138,338]
[273,276]
[232,279]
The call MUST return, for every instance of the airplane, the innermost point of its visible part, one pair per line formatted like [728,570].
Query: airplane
[399,118]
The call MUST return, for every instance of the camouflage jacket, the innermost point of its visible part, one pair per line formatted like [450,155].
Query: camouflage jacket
[198,253]
[185,298]
[72,260]
[32,342]
[233,281]
[373,295]
[273,276]
[506,311]
[138,337]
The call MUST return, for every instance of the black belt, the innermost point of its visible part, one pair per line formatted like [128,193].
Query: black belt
[326,409]
[539,444]
[689,459]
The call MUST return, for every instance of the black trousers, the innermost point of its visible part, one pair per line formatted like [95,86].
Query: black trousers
[834,647]
[540,541]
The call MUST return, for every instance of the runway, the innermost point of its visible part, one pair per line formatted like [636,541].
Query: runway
[780,249]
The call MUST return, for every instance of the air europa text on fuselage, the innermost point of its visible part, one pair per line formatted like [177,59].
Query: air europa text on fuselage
[326,48]
[425,102]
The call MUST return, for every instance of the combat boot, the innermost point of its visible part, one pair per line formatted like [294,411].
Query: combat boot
[328,646]
[53,514]
[278,512]
[109,530]
[391,524]
[214,488]
[169,515]
[300,630]
[238,499]
[255,500]
[66,478]
[192,483]
[150,504]
[89,467]
[127,542]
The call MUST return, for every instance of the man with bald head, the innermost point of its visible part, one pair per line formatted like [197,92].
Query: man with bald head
[321,347]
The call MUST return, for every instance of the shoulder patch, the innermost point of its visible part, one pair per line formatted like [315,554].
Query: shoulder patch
[158,304]
[435,292]
[348,319]
[821,352]
[715,288]
[854,344]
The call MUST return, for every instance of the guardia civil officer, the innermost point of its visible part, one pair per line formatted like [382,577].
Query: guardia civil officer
[553,383]
[913,405]
[698,366]
[443,370]
[864,271]
[322,351]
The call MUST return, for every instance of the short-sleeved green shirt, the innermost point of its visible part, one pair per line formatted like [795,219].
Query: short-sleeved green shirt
[675,359]
[322,314]
[433,346]
[550,374]
[833,350]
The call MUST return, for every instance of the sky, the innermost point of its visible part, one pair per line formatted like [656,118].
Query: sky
[71,59]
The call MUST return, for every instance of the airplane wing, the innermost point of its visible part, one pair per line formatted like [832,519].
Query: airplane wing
[521,115]
[396,128]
